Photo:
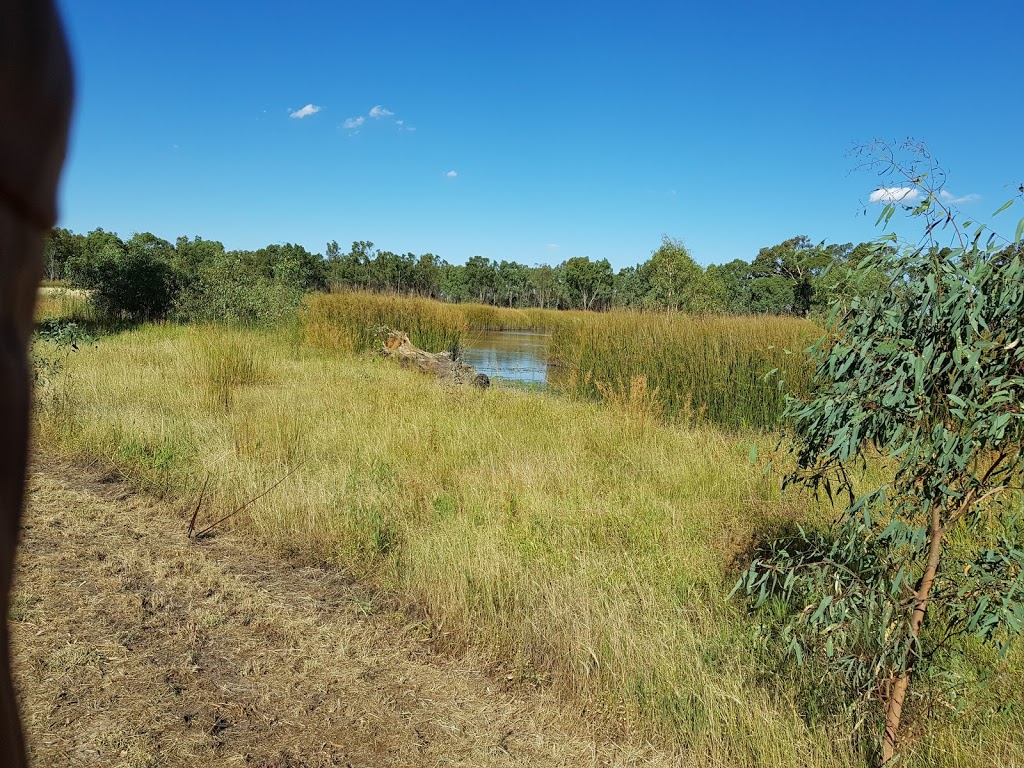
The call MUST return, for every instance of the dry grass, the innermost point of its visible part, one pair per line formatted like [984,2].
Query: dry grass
[356,322]
[68,303]
[173,652]
[584,548]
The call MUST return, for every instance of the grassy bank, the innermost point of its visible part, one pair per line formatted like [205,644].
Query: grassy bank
[582,546]
[681,367]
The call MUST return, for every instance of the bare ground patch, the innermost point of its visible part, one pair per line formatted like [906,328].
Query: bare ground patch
[134,646]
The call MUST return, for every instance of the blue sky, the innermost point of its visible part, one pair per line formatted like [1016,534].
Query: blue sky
[534,131]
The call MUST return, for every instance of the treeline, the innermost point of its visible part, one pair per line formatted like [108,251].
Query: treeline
[147,277]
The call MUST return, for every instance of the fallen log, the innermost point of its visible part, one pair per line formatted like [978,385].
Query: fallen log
[439,364]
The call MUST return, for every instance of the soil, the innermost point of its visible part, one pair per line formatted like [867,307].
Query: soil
[137,646]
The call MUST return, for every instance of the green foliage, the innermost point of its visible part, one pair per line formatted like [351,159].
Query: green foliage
[62,246]
[796,261]
[925,378]
[588,283]
[793,277]
[133,281]
[675,281]
[224,290]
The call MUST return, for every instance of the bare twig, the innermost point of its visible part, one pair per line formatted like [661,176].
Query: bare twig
[254,499]
[195,512]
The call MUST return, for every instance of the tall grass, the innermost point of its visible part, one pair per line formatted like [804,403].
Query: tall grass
[358,322]
[583,547]
[483,317]
[65,303]
[710,368]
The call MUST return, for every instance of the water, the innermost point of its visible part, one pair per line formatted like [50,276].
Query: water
[517,356]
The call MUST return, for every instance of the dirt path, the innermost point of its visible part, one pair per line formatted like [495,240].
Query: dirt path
[137,647]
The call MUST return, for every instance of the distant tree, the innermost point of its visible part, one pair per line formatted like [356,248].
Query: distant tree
[352,269]
[191,255]
[589,283]
[771,295]
[675,280]
[630,288]
[81,266]
[61,246]
[734,281]
[455,283]
[841,281]
[426,275]
[799,262]
[134,282]
[545,282]
[481,279]
[513,281]
[392,272]
[294,266]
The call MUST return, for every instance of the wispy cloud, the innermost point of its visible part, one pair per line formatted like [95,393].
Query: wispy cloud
[552,246]
[306,111]
[452,174]
[948,197]
[376,113]
[895,195]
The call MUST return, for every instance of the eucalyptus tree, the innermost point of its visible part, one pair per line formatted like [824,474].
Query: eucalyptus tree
[797,261]
[588,283]
[924,378]
[545,284]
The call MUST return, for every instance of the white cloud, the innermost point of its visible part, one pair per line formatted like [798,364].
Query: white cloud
[895,195]
[380,111]
[950,198]
[552,245]
[452,174]
[353,122]
[306,111]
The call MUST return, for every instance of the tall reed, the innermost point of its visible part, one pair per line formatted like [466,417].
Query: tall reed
[357,322]
[714,367]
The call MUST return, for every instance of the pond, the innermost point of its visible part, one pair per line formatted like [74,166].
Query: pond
[511,356]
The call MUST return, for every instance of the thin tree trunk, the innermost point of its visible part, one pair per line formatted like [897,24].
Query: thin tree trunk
[898,694]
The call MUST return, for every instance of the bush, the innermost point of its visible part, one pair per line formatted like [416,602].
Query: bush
[129,284]
[228,297]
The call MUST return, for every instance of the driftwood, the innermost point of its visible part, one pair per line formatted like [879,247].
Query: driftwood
[440,364]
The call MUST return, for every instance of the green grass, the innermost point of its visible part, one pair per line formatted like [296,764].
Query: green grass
[586,547]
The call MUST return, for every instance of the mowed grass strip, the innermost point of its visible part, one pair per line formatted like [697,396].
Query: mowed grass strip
[580,546]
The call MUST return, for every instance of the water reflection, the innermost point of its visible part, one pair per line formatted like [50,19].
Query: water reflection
[509,355]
